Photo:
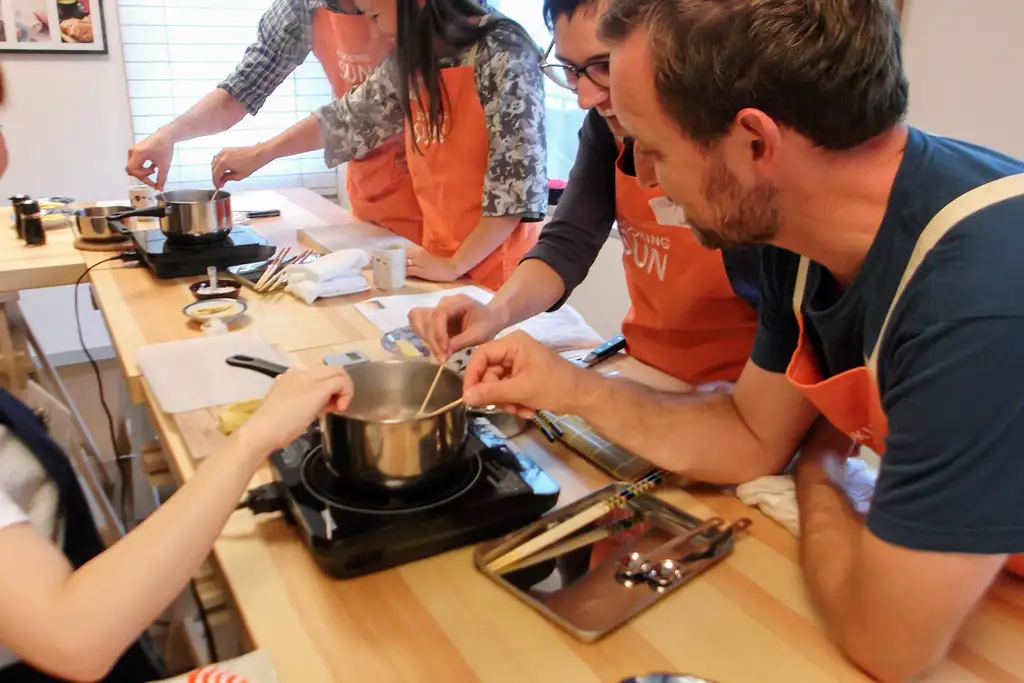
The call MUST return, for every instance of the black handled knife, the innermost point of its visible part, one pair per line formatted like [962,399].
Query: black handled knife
[603,352]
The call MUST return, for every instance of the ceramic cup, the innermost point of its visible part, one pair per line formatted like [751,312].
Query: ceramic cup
[389,266]
[142,197]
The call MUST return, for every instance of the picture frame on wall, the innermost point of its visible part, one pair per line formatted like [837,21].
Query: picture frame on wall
[53,26]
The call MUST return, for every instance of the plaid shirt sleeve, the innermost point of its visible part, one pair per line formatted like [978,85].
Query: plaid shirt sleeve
[282,44]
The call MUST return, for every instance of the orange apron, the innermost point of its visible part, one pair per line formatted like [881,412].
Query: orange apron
[379,188]
[851,400]
[448,176]
[684,317]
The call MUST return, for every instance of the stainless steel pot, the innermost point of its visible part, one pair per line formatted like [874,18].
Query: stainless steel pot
[189,215]
[379,441]
[94,223]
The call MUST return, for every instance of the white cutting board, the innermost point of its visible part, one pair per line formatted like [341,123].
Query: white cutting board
[192,374]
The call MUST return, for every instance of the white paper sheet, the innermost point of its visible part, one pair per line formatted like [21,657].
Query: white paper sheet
[563,329]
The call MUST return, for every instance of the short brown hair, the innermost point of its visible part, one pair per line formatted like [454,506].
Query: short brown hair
[831,70]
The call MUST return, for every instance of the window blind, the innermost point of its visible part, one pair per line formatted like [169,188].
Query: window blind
[564,117]
[176,51]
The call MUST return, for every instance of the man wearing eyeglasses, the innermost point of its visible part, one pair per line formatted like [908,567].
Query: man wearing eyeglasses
[693,311]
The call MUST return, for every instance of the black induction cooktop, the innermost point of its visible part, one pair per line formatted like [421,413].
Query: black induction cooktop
[500,489]
[173,258]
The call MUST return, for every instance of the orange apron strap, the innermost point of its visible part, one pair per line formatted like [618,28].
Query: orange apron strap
[945,220]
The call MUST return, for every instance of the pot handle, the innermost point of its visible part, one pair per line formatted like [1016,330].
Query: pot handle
[152,212]
[259,365]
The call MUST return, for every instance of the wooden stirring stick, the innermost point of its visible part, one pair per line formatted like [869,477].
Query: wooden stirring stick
[442,409]
[430,392]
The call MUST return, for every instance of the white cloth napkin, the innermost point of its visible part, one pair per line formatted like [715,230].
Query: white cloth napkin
[561,330]
[311,290]
[775,496]
[331,266]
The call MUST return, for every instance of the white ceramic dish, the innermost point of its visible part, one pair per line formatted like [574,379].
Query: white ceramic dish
[224,310]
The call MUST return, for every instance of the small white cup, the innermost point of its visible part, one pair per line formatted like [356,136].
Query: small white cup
[389,266]
[142,197]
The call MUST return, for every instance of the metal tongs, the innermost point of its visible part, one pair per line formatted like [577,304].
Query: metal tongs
[662,567]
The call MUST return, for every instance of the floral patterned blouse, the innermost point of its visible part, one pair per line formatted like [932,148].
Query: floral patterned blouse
[510,85]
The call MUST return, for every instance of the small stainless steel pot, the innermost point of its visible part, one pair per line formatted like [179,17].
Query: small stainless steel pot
[94,223]
[190,215]
[379,441]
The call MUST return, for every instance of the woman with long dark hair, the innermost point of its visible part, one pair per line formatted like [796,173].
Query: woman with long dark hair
[466,85]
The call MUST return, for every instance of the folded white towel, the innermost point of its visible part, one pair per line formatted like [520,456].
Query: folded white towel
[561,330]
[329,267]
[309,291]
[775,496]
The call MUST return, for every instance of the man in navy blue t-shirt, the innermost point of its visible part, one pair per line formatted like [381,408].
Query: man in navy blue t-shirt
[782,123]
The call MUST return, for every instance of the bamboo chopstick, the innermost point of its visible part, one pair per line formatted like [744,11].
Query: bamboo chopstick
[271,267]
[576,522]
[430,391]
[441,409]
[568,545]
[280,277]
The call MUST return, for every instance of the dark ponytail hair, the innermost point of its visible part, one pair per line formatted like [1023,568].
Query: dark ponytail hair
[421,31]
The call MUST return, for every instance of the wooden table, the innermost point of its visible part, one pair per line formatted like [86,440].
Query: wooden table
[55,263]
[141,309]
[747,620]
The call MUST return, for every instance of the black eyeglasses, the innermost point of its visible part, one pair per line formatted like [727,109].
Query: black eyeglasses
[568,76]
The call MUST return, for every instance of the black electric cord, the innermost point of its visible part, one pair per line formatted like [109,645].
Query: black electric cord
[210,644]
[120,460]
[264,499]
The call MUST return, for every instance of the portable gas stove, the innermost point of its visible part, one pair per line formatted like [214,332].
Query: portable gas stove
[170,259]
[352,533]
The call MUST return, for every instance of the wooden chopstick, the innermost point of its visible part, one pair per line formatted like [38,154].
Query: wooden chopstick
[271,268]
[281,277]
[568,545]
[266,271]
[277,268]
[576,522]
[430,391]
[441,409]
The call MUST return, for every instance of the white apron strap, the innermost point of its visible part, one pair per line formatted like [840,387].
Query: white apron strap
[945,220]
[801,286]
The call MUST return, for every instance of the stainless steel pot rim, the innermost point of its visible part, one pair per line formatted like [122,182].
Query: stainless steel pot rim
[100,211]
[427,417]
[201,197]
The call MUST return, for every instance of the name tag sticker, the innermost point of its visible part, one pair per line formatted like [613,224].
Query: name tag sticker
[667,212]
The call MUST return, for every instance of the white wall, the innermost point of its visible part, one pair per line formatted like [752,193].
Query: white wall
[66,121]
[68,129]
[962,58]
